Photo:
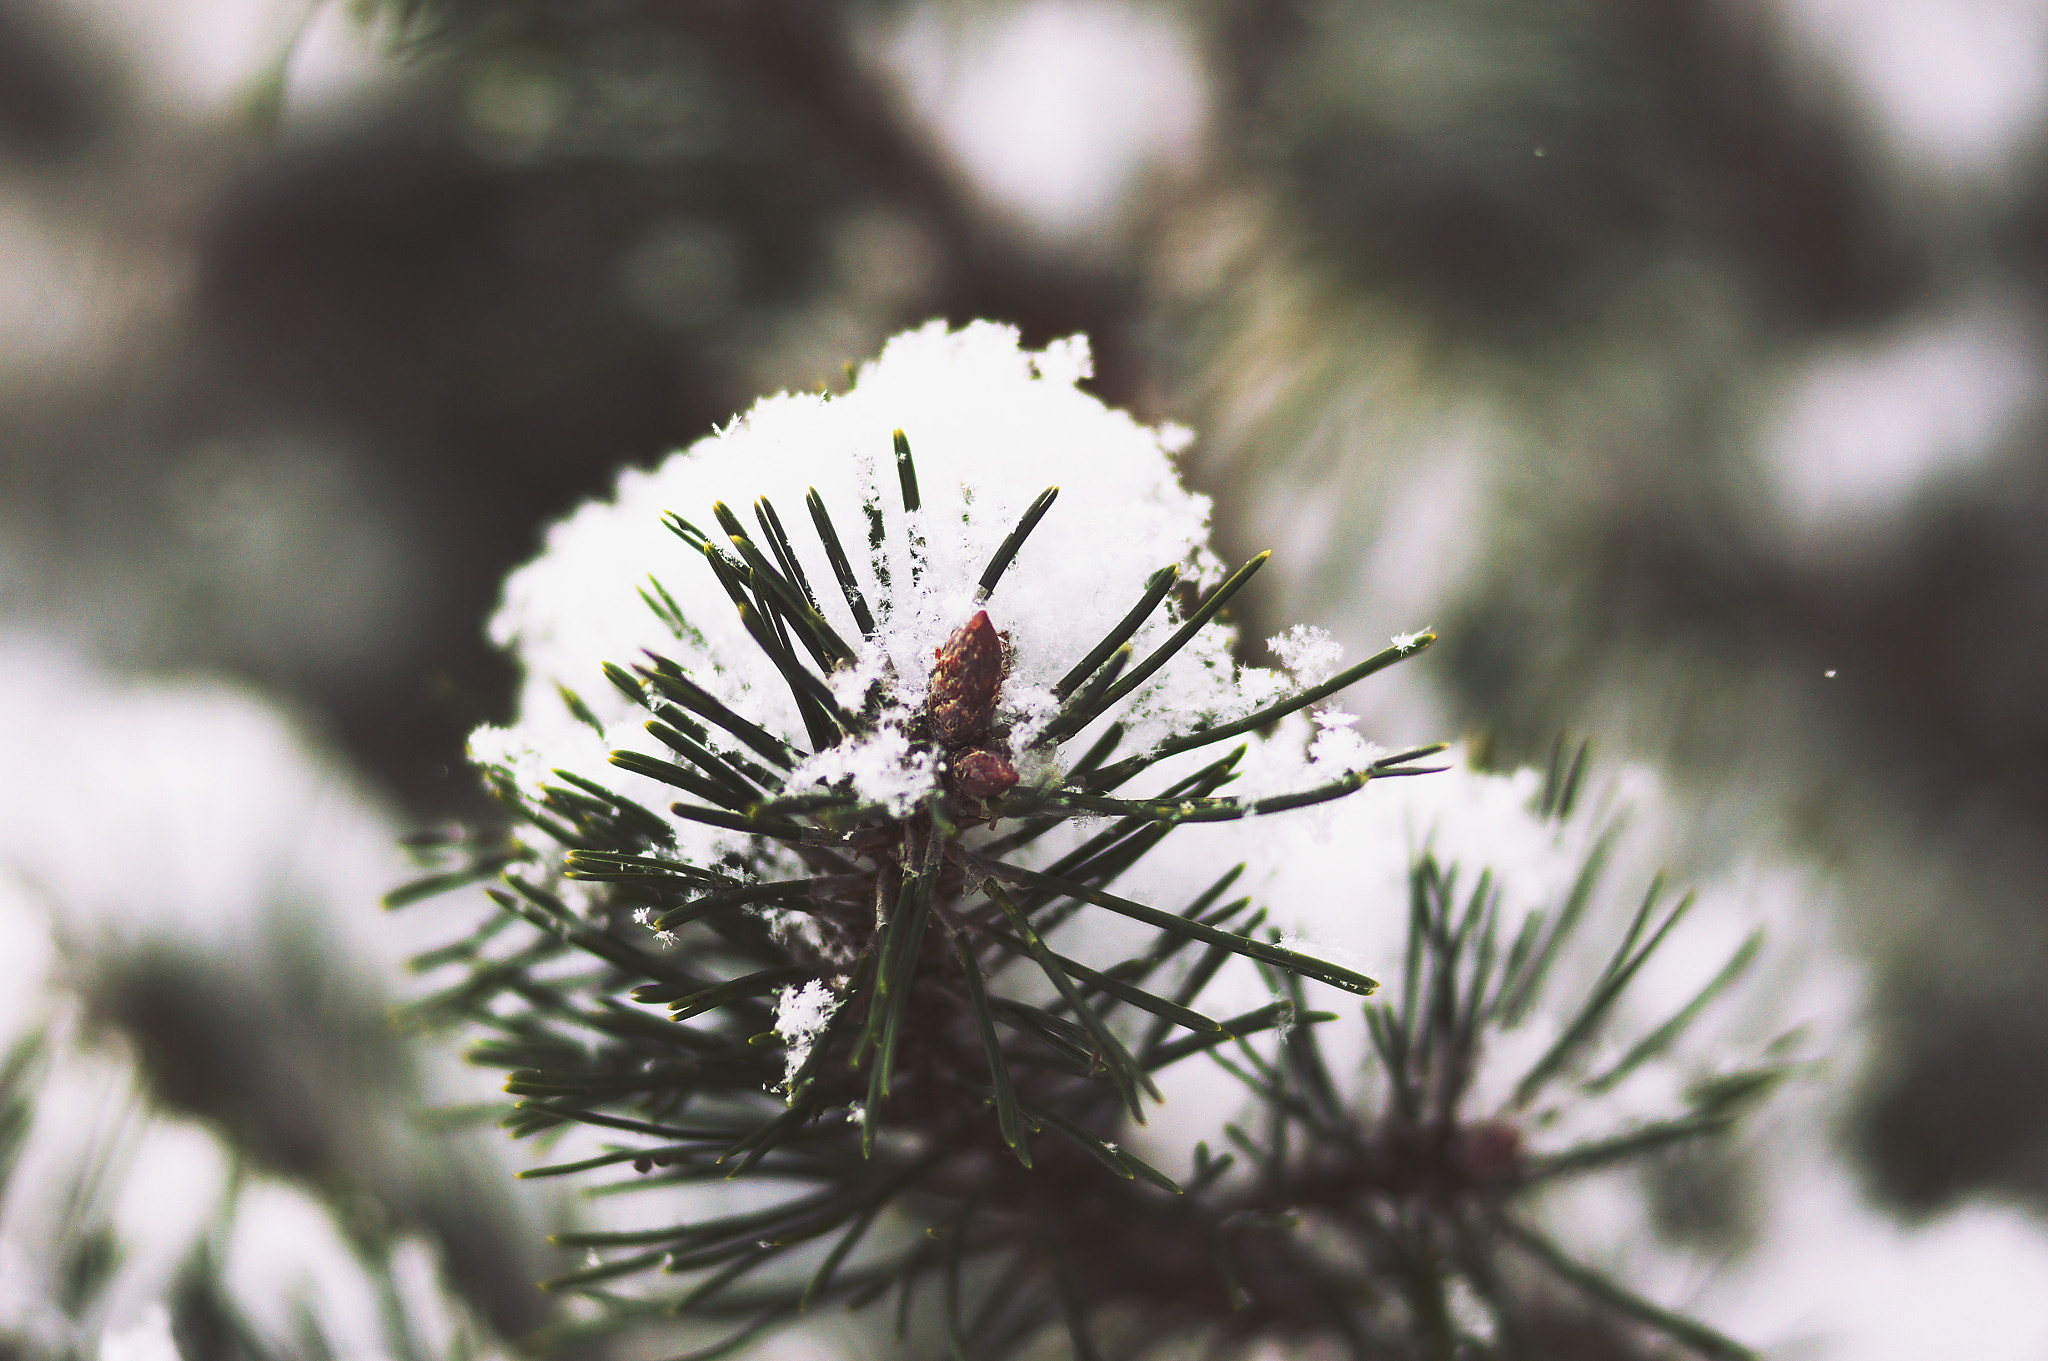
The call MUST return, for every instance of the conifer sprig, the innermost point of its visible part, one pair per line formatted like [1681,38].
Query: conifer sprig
[845,1019]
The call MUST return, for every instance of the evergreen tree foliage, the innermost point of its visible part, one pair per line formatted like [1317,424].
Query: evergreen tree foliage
[77,1134]
[870,1014]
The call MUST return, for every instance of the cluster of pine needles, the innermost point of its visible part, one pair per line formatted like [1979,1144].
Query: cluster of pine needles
[1390,1221]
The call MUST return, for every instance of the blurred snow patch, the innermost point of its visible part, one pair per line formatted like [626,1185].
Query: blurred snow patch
[95,1156]
[191,796]
[1057,108]
[285,1256]
[148,1339]
[1866,429]
[1837,1280]
[25,957]
[206,60]
[1956,86]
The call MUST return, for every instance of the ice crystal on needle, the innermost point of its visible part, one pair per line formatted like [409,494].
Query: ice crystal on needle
[801,1015]
[1310,654]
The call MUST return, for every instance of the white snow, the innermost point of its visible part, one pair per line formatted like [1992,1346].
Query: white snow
[1309,653]
[990,425]
[147,1339]
[882,767]
[801,1015]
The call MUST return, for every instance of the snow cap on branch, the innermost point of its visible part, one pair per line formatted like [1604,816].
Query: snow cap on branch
[991,426]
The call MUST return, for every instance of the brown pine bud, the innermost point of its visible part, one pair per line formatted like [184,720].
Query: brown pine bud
[966,677]
[981,774]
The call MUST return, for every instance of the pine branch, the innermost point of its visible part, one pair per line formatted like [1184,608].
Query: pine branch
[865,1010]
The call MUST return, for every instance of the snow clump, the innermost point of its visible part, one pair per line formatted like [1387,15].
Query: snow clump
[990,426]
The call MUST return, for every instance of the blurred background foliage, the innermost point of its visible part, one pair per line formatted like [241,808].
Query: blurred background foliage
[1680,363]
